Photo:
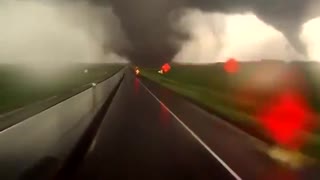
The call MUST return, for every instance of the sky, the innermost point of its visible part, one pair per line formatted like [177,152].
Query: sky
[152,26]
[38,32]
[240,36]
[151,32]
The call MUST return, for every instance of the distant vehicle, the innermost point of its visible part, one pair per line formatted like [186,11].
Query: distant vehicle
[136,71]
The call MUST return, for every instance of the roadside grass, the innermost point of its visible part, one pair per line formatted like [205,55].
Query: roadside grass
[237,99]
[18,89]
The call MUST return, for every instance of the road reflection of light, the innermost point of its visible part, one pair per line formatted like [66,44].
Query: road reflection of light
[164,116]
[279,173]
[136,85]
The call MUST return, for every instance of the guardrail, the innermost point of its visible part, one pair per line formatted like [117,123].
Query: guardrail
[46,139]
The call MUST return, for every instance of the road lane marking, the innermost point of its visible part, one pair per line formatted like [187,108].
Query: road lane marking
[233,173]
[93,145]
[51,98]
[11,112]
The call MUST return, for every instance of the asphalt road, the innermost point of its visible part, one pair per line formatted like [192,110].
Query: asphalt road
[151,133]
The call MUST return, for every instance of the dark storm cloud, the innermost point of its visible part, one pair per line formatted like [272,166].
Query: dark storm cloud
[146,22]
[286,16]
[147,27]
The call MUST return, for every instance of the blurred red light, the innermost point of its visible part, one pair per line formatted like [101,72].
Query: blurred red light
[166,68]
[287,118]
[231,66]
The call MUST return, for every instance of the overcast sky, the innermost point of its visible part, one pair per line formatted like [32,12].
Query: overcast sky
[148,23]
[152,32]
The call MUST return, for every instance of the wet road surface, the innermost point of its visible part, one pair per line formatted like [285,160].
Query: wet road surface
[140,139]
[150,133]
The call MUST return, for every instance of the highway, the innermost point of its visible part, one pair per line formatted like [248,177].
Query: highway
[151,133]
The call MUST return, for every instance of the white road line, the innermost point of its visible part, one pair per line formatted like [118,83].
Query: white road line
[93,145]
[50,98]
[85,85]
[234,174]
[11,112]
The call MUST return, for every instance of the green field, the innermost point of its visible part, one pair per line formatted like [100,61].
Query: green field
[19,87]
[238,97]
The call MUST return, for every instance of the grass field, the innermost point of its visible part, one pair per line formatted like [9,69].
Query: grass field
[238,97]
[19,87]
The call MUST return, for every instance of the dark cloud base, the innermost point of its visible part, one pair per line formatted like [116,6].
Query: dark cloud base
[146,22]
